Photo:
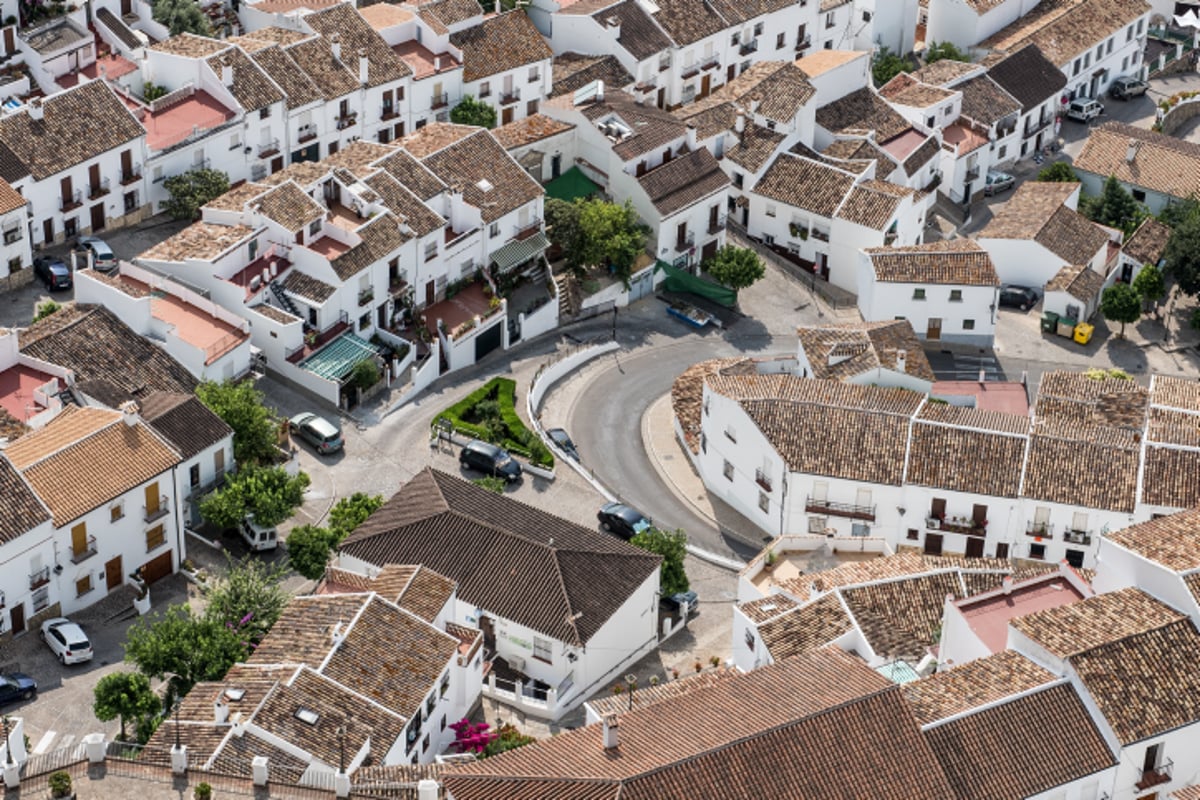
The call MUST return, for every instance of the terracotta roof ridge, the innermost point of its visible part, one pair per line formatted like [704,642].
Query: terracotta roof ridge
[806,401]
[392,604]
[972,428]
[1180,621]
[348,690]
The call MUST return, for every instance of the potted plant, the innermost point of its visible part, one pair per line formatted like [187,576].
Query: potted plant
[715,661]
[60,784]
[617,688]
[202,792]
[674,674]
[771,560]
[698,666]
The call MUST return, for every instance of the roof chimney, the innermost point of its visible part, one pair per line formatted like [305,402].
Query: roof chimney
[614,26]
[437,63]
[1007,584]
[34,108]
[901,360]
[691,137]
[755,99]
[427,790]
[220,710]
[129,412]
[1131,151]
[609,727]
[498,7]
[335,43]
[226,71]
[364,66]
[739,125]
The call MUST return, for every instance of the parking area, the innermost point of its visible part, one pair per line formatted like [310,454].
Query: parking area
[61,714]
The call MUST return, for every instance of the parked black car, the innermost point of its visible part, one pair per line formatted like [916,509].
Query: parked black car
[17,686]
[1021,297]
[676,602]
[53,272]
[560,438]
[622,520]
[490,460]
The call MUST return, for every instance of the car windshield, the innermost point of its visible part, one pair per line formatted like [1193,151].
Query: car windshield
[78,645]
[503,459]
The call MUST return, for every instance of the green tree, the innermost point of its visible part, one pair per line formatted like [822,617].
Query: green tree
[181,16]
[126,695]
[562,225]
[308,549]
[152,91]
[1058,172]
[612,235]
[267,492]
[672,546]
[473,112]
[1182,255]
[240,405]
[249,596]
[1114,207]
[182,644]
[1149,285]
[888,65]
[192,189]
[45,309]
[1120,303]
[735,267]
[944,51]
[1175,214]
[352,511]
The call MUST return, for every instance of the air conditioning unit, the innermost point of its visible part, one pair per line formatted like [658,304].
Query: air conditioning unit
[516,662]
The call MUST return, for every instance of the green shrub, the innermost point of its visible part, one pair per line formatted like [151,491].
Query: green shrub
[489,413]
[60,784]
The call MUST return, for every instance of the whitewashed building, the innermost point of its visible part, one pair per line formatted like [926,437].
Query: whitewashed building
[506,64]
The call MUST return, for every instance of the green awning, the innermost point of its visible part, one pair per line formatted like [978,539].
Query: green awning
[514,254]
[335,360]
[571,185]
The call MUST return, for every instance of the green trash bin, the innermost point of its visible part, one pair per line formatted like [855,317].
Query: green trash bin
[1049,321]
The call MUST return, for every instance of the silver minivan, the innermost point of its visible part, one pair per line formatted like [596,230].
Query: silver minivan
[1084,109]
[258,537]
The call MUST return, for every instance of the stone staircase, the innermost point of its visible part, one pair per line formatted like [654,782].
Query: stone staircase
[570,295]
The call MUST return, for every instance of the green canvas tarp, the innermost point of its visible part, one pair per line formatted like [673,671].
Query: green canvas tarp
[677,280]
[570,185]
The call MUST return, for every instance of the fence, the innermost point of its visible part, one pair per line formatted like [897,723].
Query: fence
[52,761]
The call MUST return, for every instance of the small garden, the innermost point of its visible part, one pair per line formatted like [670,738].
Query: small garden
[489,413]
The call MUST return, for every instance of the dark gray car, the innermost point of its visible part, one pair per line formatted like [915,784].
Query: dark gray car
[490,460]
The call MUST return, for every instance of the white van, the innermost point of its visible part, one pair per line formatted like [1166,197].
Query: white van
[1084,110]
[257,537]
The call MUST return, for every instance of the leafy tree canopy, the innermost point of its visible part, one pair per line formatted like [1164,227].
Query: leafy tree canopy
[888,65]
[1114,207]
[1149,284]
[126,695]
[1058,172]
[350,512]
[1176,213]
[735,267]
[192,189]
[611,235]
[1182,255]
[241,406]
[308,549]
[473,112]
[672,546]
[181,16]
[267,492]
[190,647]
[249,597]
[1120,303]
[944,51]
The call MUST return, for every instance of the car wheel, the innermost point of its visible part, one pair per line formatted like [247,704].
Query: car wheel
[27,695]
[462,462]
[62,659]
[604,526]
[1024,306]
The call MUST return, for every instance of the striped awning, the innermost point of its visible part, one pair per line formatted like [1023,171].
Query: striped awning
[514,254]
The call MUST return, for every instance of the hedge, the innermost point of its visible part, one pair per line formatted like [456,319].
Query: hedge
[505,390]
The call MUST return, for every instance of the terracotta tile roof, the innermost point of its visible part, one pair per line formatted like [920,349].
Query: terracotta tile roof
[862,110]
[1072,236]
[684,181]
[57,35]
[385,15]
[413,587]
[918,158]
[86,457]
[435,519]
[977,752]
[687,393]
[946,73]
[421,219]
[754,148]
[277,314]
[78,124]
[901,618]
[185,422]
[735,11]
[688,21]
[110,361]
[190,45]
[962,459]
[1187,793]
[1148,242]
[529,130]
[1145,684]
[397,781]
[983,419]
[251,87]
[289,206]
[822,61]
[500,43]
[1172,541]
[985,101]
[426,594]
[435,137]
[306,286]
[331,77]
[1069,630]
[381,239]
[769,607]
[477,161]
[1171,477]
[440,15]
[1170,392]
[1028,76]
[855,572]
[279,65]
[640,36]
[20,509]
[977,683]
[652,128]
[237,197]
[780,88]
[959,262]
[201,241]
[874,345]
[1079,280]
[873,203]
[1064,29]
[805,629]
[1028,211]
[808,720]
[10,198]
[663,692]
[906,90]
[1161,163]
[344,20]
[805,184]
[853,154]
[573,71]
[415,176]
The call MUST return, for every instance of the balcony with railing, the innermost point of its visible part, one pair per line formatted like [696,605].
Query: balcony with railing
[1075,536]
[712,62]
[1032,126]
[1039,529]
[690,71]
[306,133]
[1156,776]
[972,173]
[717,225]
[129,176]
[13,235]
[71,201]
[523,232]
[347,121]
[814,505]
[440,101]
[510,96]
[39,578]
[87,551]
[804,44]
[763,480]
[748,47]
[268,149]
[366,295]
[963,525]
[388,111]
[151,513]
[98,189]
[685,242]
[397,287]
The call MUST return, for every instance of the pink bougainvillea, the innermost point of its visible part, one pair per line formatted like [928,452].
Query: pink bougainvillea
[471,737]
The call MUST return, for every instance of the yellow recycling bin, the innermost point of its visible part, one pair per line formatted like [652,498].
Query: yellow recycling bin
[1083,332]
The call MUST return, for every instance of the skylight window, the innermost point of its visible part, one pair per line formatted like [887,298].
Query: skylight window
[307,716]
[484,185]
[235,694]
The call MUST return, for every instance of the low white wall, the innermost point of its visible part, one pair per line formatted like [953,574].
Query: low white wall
[421,376]
[541,321]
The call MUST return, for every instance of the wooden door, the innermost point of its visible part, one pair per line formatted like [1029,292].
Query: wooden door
[219,463]
[974,547]
[933,544]
[933,330]
[937,508]
[18,618]
[709,251]
[1002,550]
[276,164]
[979,515]
[730,73]
[97,214]
[93,178]
[430,293]
[68,190]
[112,573]
[126,164]
[157,568]
[152,498]
[79,539]
[10,43]
[126,7]
[488,628]
[705,85]
[506,116]
[48,231]
[661,102]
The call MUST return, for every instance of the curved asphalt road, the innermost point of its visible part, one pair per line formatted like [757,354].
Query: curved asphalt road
[606,418]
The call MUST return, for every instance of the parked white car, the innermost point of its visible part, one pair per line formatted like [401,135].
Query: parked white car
[1084,110]
[67,640]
